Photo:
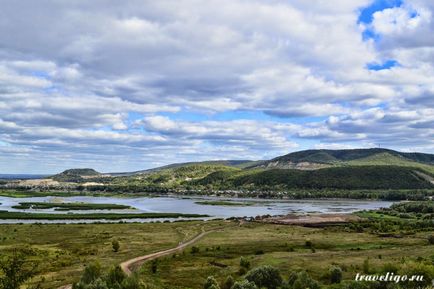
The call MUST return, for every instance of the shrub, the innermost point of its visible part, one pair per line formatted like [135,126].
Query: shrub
[115,277]
[335,274]
[244,263]
[431,239]
[91,273]
[210,283]
[14,272]
[265,276]
[308,244]
[115,245]
[303,281]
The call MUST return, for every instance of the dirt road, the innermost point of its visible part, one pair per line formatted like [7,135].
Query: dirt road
[130,265]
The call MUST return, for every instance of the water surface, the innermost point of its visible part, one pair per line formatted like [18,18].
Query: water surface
[187,205]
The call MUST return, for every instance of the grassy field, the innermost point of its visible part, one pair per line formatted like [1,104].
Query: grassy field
[285,248]
[63,250]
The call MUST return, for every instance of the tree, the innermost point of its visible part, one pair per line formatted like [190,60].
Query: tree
[335,274]
[14,270]
[244,285]
[115,245]
[210,282]
[302,280]
[265,276]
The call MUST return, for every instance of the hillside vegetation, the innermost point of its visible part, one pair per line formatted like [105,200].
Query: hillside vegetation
[358,177]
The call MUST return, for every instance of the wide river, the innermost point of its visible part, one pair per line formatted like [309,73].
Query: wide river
[189,205]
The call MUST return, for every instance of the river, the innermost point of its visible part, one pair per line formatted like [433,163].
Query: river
[189,205]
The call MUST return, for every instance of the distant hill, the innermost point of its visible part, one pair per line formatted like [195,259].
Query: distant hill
[316,159]
[311,169]
[230,163]
[75,175]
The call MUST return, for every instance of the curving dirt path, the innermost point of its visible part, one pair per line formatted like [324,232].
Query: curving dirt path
[130,265]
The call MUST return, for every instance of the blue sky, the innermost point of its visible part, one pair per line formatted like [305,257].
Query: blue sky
[138,84]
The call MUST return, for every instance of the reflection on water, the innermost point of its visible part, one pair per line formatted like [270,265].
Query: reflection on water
[189,206]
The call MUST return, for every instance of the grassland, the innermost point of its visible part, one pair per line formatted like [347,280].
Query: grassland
[65,249]
[69,206]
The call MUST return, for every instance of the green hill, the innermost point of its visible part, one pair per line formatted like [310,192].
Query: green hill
[75,175]
[315,159]
[357,177]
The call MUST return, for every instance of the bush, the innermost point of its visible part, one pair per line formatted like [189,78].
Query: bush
[244,263]
[210,283]
[335,274]
[14,272]
[265,276]
[115,277]
[431,239]
[115,245]
[91,273]
[302,280]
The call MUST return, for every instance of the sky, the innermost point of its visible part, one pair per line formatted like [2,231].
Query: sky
[129,85]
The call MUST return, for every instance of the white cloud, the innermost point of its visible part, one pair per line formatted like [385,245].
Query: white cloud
[261,74]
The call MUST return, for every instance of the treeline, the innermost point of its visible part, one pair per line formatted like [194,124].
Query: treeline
[414,207]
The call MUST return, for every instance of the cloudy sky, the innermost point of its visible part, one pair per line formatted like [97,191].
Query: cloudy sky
[128,85]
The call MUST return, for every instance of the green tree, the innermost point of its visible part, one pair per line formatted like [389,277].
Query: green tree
[302,280]
[335,274]
[115,245]
[210,282]
[15,271]
[265,276]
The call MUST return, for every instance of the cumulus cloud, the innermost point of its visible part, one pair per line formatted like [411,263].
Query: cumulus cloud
[138,81]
